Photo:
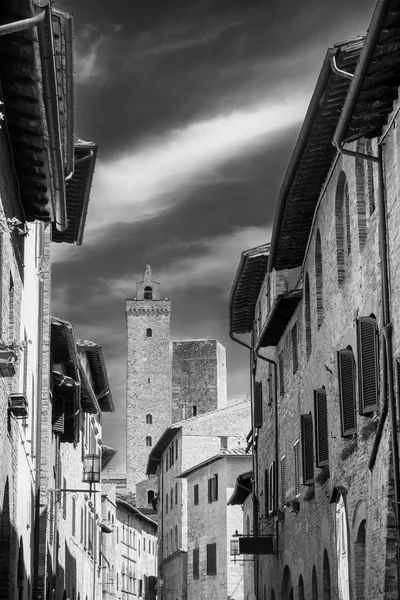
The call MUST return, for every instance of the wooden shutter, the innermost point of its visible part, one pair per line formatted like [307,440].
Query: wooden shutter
[266,493]
[258,408]
[195,563]
[73,516]
[283,480]
[281,382]
[209,491]
[196,494]
[58,417]
[272,497]
[296,451]
[307,449]
[368,365]
[347,392]
[211,559]
[295,349]
[321,428]
[215,487]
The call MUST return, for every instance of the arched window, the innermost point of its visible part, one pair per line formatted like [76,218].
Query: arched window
[314,585]
[287,588]
[360,191]
[359,555]
[326,578]
[370,179]
[301,588]
[149,419]
[318,279]
[148,293]
[307,316]
[342,214]
[150,496]
[149,332]
[149,441]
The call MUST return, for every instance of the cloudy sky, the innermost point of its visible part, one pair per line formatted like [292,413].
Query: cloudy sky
[196,105]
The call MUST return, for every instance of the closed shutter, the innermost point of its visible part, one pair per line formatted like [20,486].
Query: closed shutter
[215,487]
[272,497]
[195,563]
[58,416]
[321,428]
[294,349]
[73,516]
[266,493]
[347,392]
[368,365]
[307,449]
[209,491]
[196,494]
[296,451]
[283,480]
[211,559]
[258,412]
[281,382]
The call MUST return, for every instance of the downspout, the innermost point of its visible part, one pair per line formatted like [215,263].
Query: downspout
[161,537]
[338,142]
[50,97]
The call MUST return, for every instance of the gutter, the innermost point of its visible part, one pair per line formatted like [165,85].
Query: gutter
[50,97]
[70,85]
[387,362]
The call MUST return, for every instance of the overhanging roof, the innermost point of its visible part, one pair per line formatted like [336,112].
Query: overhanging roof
[246,288]
[157,451]
[281,312]
[107,454]
[234,453]
[379,72]
[88,397]
[78,194]
[135,511]
[98,370]
[242,488]
[63,346]
[311,160]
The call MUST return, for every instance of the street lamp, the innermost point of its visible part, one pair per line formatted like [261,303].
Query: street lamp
[91,468]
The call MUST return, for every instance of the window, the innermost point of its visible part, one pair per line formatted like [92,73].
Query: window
[271,488]
[73,516]
[64,499]
[150,496]
[223,442]
[195,411]
[295,355]
[266,493]
[342,214]
[172,498]
[176,493]
[211,559]
[307,316]
[166,505]
[370,177]
[283,480]
[296,452]
[360,193]
[213,489]
[176,450]
[196,563]
[368,364]
[318,280]
[321,427]
[148,293]
[196,494]
[149,441]
[149,420]
[281,381]
[176,536]
[347,391]
[307,449]
[149,332]
[258,413]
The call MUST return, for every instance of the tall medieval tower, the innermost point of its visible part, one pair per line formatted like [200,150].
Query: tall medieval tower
[148,388]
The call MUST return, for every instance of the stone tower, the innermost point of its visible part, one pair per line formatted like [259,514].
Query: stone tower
[148,387]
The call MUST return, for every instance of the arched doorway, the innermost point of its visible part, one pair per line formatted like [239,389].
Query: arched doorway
[326,578]
[287,587]
[359,557]
[5,543]
[301,588]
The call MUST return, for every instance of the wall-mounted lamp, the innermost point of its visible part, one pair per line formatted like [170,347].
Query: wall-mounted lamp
[91,468]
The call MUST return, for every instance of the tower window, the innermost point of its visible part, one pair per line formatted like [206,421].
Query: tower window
[194,411]
[149,441]
[149,332]
[149,420]
[148,293]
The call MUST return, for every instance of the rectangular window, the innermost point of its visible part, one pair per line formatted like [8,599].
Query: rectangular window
[176,493]
[347,392]
[258,412]
[281,381]
[368,364]
[196,563]
[196,494]
[307,449]
[271,488]
[73,515]
[211,559]
[213,489]
[64,499]
[266,490]
[296,451]
[321,428]
[176,450]
[223,442]
[166,503]
[172,498]
[283,480]
[295,355]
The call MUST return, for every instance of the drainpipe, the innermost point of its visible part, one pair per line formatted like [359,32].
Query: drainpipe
[349,104]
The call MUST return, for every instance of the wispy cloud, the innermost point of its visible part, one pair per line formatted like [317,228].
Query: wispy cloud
[89,67]
[155,176]
[204,263]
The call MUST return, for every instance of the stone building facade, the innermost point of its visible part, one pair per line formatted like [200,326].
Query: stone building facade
[148,388]
[182,446]
[211,570]
[198,378]
[325,340]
